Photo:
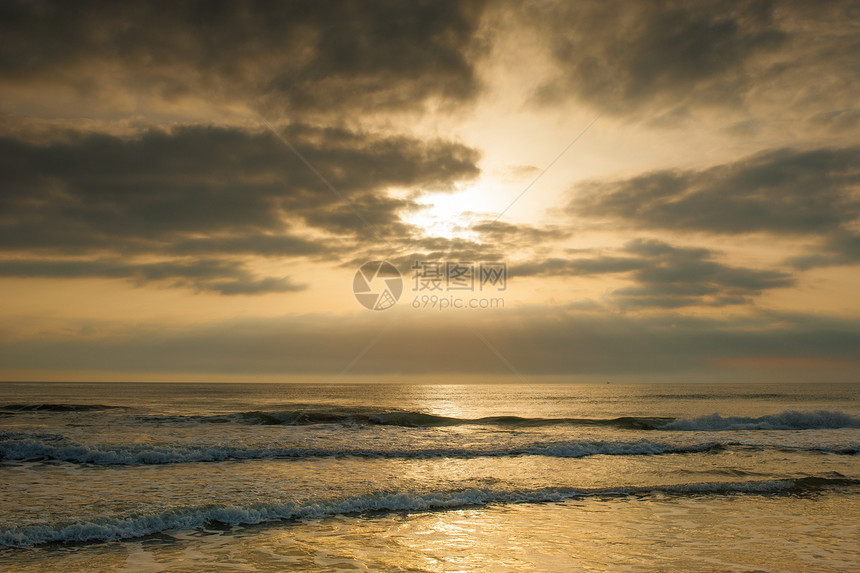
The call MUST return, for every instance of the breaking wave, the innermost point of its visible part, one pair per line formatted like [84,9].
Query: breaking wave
[30,449]
[300,417]
[112,527]
[788,420]
[310,414]
[58,407]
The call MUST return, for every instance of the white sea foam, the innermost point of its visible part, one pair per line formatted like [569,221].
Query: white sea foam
[788,420]
[122,527]
[30,449]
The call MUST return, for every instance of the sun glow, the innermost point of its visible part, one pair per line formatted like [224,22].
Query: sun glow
[451,215]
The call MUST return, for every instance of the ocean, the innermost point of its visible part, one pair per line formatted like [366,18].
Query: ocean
[579,477]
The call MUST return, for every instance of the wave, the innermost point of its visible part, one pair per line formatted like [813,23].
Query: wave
[788,420]
[58,407]
[23,447]
[11,436]
[304,416]
[399,418]
[123,527]
[31,450]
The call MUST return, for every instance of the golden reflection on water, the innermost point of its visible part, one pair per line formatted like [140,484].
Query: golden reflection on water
[438,401]
[731,533]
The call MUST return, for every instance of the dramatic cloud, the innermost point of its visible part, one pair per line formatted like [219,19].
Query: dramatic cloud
[260,147]
[494,241]
[207,180]
[840,248]
[491,241]
[623,56]
[785,191]
[223,277]
[212,191]
[666,276]
[248,244]
[662,59]
[330,56]
[510,234]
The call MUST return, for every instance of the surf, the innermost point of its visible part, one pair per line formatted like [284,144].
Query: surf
[115,527]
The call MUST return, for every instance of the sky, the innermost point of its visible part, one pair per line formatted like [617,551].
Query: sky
[189,190]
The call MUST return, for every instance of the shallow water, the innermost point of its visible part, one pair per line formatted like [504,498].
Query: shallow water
[151,477]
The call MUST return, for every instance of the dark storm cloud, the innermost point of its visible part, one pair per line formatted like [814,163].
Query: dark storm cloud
[559,340]
[250,244]
[101,191]
[785,191]
[841,248]
[666,58]
[250,286]
[622,56]
[379,217]
[220,276]
[514,234]
[329,56]
[665,276]
[213,192]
